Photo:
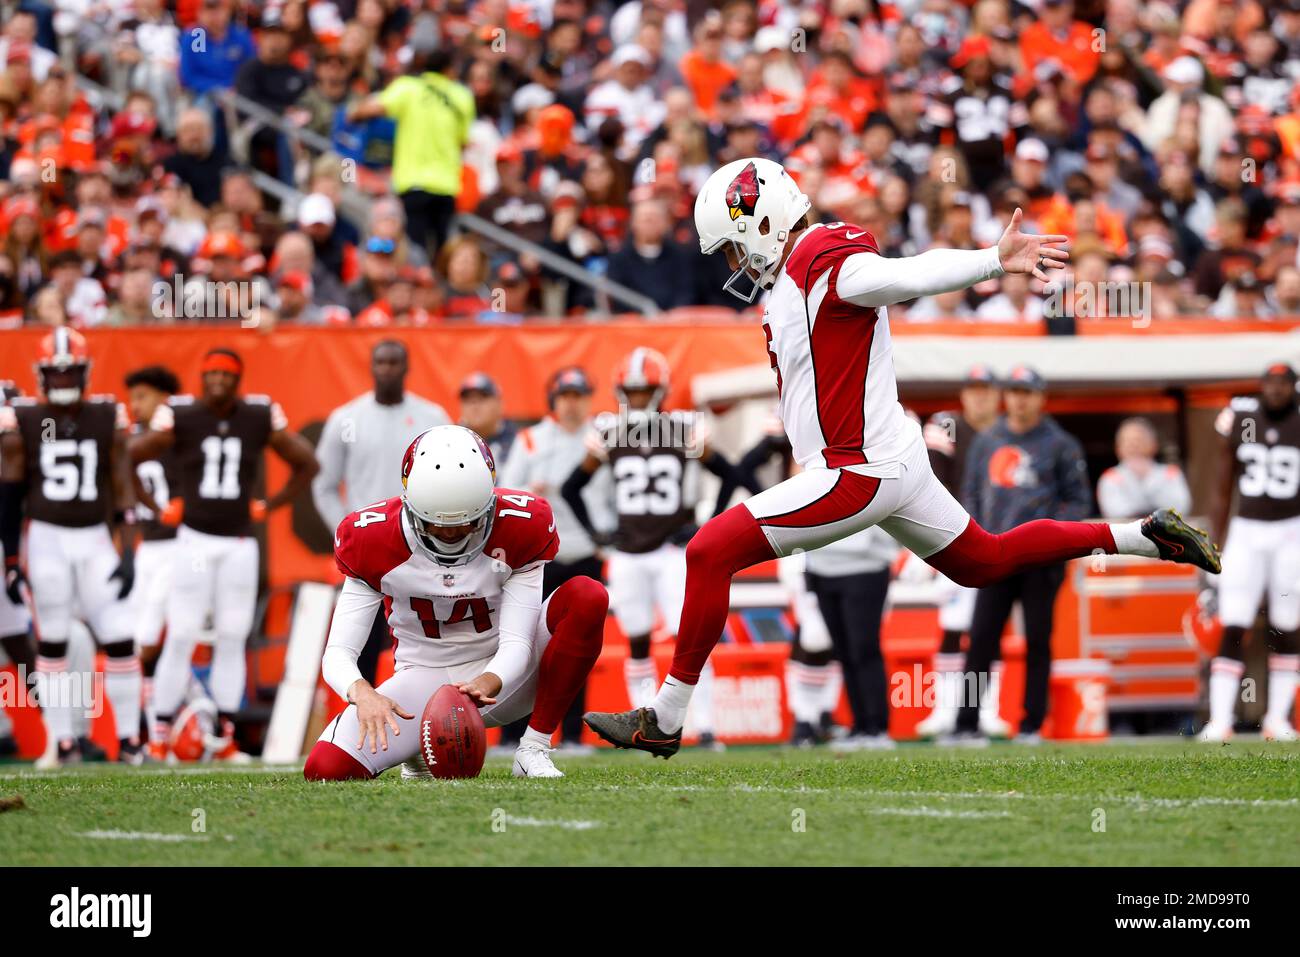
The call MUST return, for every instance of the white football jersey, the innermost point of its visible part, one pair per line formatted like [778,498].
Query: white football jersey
[443,615]
[834,361]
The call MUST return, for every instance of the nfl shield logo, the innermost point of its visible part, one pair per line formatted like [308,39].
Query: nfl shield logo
[448,581]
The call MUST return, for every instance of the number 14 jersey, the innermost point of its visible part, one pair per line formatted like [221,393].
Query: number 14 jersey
[443,615]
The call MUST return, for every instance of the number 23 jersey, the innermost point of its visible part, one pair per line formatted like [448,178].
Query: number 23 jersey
[443,615]
[1267,452]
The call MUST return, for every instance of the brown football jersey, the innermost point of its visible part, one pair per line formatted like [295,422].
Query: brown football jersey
[218,460]
[655,471]
[69,456]
[1266,447]
[158,478]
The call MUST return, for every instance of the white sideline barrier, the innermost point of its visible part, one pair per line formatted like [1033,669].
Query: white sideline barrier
[293,701]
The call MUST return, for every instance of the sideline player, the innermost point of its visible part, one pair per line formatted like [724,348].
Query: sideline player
[653,458]
[458,564]
[217,440]
[1261,555]
[949,436]
[65,465]
[155,480]
[864,460]
[16,646]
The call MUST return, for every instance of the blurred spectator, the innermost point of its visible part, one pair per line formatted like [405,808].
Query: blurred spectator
[464,268]
[1285,299]
[213,51]
[1183,99]
[1057,38]
[651,263]
[1013,302]
[627,98]
[1139,484]
[197,162]
[433,114]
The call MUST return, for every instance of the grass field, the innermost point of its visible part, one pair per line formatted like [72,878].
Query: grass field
[1160,804]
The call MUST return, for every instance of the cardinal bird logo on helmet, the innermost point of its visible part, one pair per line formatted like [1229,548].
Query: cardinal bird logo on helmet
[742,192]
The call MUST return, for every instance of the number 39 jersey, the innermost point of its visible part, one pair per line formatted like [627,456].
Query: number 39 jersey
[218,460]
[656,475]
[69,454]
[1267,450]
[443,615]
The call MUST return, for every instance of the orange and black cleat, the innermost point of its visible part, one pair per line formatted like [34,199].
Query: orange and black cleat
[637,729]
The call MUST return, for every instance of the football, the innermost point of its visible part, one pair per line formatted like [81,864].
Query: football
[453,740]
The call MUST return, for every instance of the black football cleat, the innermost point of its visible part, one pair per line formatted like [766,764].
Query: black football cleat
[90,751]
[637,729]
[1176,541]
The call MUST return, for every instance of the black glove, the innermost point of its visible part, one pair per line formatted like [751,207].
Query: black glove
[125,573]
[14,580]
[602,539]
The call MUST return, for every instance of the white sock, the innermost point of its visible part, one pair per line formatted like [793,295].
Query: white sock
[671,702]
[1129,540]
[991,698]
[802,694]
[6,726]
[701,709]
[54,690]
[830,694]
[1225,684]
[532,738]
[640,675]
[171,678]
[1282,680]
[229,672]
[122,687]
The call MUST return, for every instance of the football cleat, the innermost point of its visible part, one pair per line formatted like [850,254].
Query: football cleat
[415,770]
[805,735]
[8,746]
[1176,541]
[534,762]
[159,753]
[708,741]
[637,729]
[132,752]
[90,751]
[1278,731]
[1215,734]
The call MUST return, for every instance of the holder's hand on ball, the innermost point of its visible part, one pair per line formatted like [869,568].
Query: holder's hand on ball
[483,689]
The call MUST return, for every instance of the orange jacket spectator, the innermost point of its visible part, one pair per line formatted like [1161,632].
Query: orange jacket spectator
[706,79]
[852,99]
[1059,217]
[1075,49]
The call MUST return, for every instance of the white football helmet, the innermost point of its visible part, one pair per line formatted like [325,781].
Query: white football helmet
[449,479]
[751,204]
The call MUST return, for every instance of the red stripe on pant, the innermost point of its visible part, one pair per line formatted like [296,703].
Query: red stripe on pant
[329,762]
[849,495]
[976,558]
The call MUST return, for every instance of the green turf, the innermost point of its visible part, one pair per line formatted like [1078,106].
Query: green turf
[1163,804]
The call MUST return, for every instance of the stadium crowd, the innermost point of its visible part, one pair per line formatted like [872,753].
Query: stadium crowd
[1163,138]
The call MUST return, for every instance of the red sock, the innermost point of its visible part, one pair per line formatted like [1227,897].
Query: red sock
[576,618]
[976,558]
[725,545]
[329,762]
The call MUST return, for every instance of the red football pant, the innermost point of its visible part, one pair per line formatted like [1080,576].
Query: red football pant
[734,541]
[575,617]
[329,762]
[976,558]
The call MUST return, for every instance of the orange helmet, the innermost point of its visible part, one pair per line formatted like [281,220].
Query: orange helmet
[63,369]
[642,368]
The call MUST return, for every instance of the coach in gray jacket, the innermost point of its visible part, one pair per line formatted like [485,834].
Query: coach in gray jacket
[360,453]
[1023,467]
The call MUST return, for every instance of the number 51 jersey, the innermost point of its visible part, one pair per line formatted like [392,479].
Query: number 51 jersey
[443,615]
[68,456]
[1267,450]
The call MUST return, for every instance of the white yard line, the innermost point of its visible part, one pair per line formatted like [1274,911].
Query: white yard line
[142,836]
[510,819]
[924,811]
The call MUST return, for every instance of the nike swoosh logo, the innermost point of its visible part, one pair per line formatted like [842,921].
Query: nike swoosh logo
[1173,545]
[637,736]
[338,542]
[552,526]
[854,235]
